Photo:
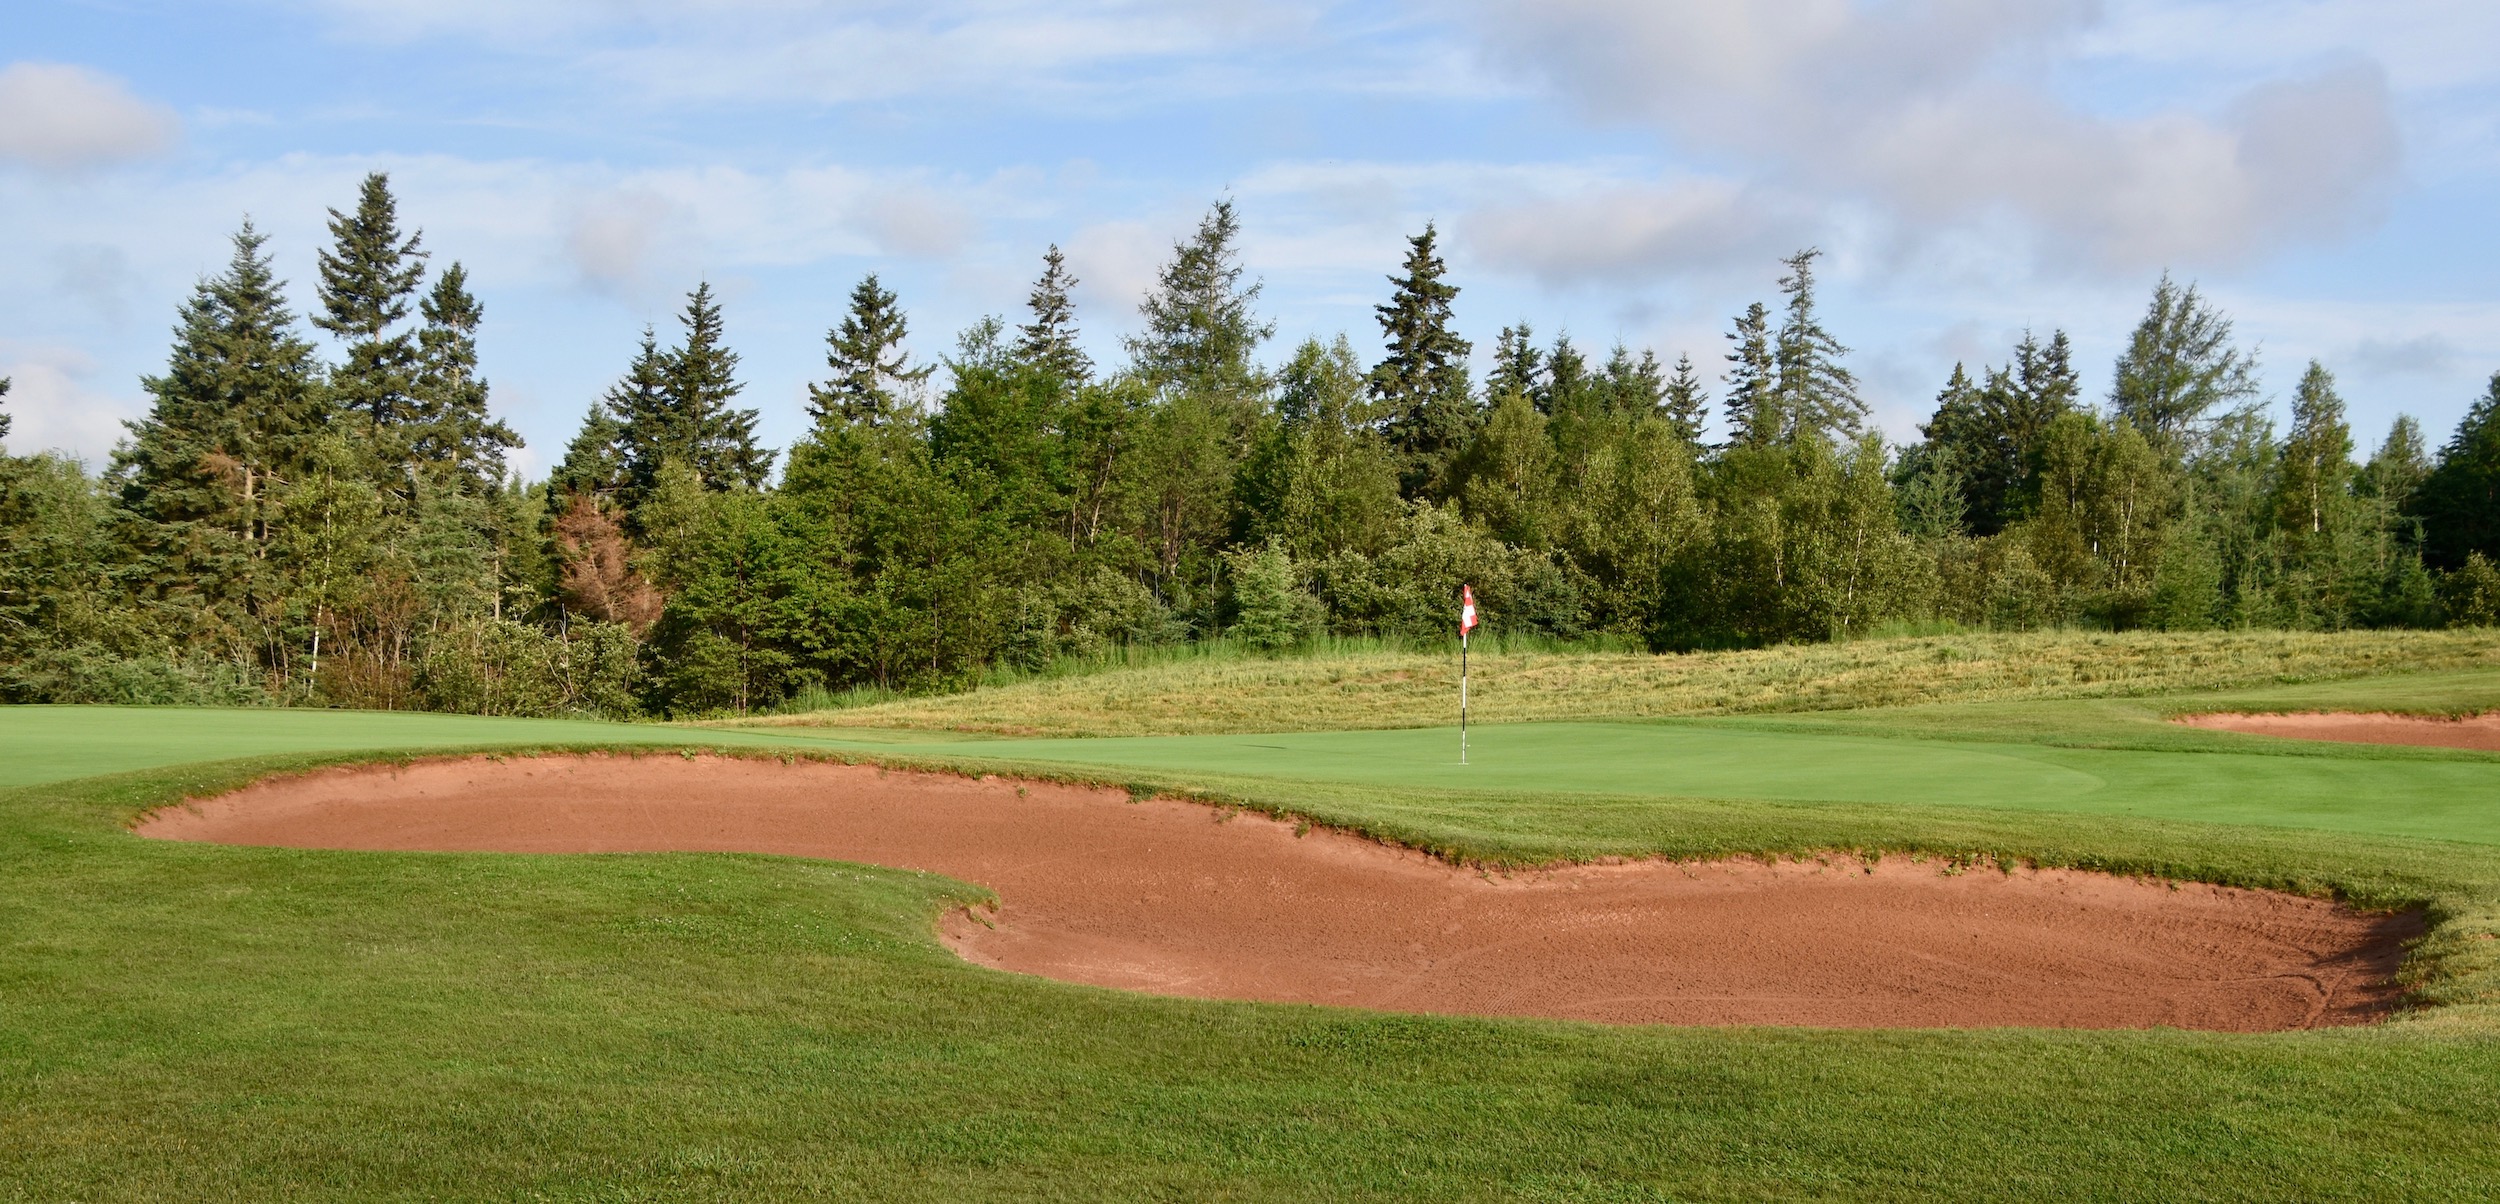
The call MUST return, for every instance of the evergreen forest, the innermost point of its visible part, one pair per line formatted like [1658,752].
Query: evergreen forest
[325,516]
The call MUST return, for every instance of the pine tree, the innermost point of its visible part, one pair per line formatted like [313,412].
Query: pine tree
[450,422]
[1753,407]
[1200,332]
[871,371]
[1421,384]
[2179,365]
[1518,367]
[4,417]
[2459,502]
[231,425]
[2316,464]
[1048,342]
[1817,395]
[367,278]
[1685,403]
[702,382]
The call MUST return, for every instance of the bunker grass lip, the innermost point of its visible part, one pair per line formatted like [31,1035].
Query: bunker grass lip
[1182,898]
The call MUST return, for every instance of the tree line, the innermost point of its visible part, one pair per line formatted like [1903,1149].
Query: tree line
[289,528]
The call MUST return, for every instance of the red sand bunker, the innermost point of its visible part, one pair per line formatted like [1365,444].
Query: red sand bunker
[2476,731]
[1182,899]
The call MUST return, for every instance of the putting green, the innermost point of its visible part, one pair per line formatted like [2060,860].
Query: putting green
[2455,799]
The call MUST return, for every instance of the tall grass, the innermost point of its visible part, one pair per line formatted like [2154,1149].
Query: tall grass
[1382,684]
[1222,650]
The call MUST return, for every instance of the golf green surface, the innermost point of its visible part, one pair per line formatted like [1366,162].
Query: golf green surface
[2455,799]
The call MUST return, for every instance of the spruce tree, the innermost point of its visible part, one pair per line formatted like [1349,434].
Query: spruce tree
[1567,386]
[231,425]
[2316,464]
[594,462]
[2398,467]
[450,424]
[1817,395]
[1200,332]
[1518,367]
[2459,502]
[650,430]
[1754,414]
[367,278]
[871,371]
[701,384]
[1633,387]
[1685,403]
[2178,366]
[1421,384]
[1048,342]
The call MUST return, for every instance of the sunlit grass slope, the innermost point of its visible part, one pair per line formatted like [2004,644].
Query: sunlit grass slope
[1410,689]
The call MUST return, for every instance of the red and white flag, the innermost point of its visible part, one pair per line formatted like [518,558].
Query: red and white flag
[1466,609]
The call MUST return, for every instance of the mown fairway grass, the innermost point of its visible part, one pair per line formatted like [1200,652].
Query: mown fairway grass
[199,1022]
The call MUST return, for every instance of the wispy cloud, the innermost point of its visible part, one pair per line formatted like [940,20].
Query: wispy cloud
[62,117]
[1940,112]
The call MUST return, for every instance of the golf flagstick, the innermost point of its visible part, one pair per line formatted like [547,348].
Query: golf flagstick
[1466,623]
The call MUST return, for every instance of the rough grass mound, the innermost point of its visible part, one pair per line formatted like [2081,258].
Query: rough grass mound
[1414,689]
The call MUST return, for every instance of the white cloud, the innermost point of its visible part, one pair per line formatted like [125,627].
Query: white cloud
[60,117]
[54,405]
[1634,234]
[1939,111]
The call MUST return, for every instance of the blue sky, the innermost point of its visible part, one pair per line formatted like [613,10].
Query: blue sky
[1621,169]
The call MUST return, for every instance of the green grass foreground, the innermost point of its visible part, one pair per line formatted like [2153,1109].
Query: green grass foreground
[200,1022]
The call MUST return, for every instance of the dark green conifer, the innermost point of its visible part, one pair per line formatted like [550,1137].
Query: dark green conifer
[230,427]
[2459,502]
[594,462]
[1048,342]
[1634,387]
[367,278]
[1817,395]
[1421,384]
[1754,414]
[1518,367]
[1685,403]
[871,372]
[702,384]
[1567,385]
[650,429]
[1200,332]
[450,425]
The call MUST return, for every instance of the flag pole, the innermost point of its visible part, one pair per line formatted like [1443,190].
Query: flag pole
[1466,624]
